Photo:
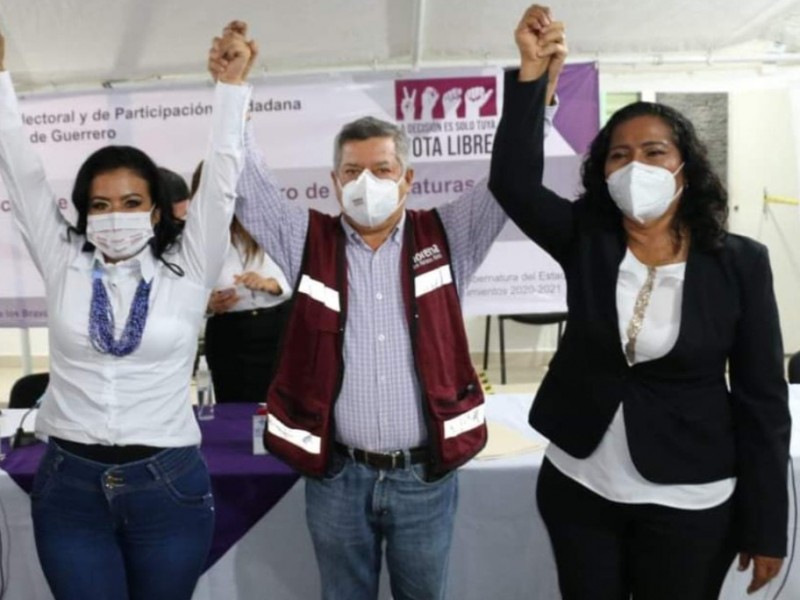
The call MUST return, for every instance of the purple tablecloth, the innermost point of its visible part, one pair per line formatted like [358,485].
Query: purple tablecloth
[245,487]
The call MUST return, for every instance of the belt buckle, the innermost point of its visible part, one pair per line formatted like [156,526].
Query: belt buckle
[396,456]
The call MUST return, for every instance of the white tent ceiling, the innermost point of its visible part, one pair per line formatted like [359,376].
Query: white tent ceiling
[82,43]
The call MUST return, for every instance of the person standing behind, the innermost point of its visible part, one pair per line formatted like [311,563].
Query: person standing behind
[375,399]
[177,192]
[659,468]
[246,312]
[121,502]
[248,308]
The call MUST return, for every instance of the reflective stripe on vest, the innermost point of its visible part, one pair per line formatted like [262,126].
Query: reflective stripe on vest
[319,292]
[466,422]
[298,437]
[432,280]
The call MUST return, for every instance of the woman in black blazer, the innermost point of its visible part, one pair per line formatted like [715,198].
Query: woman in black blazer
[660,470]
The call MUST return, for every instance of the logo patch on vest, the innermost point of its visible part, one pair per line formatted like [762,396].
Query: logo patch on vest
[427,256]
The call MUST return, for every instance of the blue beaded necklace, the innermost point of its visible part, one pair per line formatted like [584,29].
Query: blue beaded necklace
[101,319]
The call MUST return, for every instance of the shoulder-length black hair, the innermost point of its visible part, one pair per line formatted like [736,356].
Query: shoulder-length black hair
[110,158]
[703,208]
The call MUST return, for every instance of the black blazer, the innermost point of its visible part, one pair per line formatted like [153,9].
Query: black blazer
[684,423]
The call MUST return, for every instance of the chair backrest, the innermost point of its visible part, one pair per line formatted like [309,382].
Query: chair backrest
[538,318]
[27,390]
[794,368]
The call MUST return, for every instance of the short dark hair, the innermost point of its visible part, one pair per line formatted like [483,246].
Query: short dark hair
[366,128]
[703,208]
[111,158]
[174,186]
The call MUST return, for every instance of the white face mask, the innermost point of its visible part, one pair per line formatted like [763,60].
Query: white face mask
[643,192]
[368,200]
[119,234]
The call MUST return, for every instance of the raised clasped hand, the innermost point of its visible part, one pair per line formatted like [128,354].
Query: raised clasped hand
[232,56]
[542,43]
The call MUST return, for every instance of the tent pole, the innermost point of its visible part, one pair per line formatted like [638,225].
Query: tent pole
[419,35]
[25,355]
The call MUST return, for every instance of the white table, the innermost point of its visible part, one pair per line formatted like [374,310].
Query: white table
[500,548]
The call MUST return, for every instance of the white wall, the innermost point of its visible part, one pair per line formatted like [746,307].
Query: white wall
[11,345]
[764,156]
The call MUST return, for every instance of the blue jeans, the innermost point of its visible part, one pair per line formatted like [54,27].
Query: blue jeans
[138,531]
[356,509]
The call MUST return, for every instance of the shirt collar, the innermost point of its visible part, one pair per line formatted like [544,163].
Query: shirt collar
[143,263]
[631,264]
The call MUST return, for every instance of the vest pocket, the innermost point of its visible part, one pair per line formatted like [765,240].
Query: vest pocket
[459,420]
[453,398]
[321,318]
[322,342]
[295,413]
[295,435]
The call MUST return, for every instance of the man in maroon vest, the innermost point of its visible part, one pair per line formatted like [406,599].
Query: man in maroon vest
[375,398]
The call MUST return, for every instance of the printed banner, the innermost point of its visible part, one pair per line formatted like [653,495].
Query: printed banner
[449,115]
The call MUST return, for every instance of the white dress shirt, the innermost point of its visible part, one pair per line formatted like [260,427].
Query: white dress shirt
[142,398]
[609,471]
[236,263]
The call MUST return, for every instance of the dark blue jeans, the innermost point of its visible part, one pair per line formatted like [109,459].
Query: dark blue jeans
[138,531]
[357,509]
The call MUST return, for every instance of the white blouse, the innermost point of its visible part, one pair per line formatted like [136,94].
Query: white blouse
[236,263]
[142,398]
[609,471]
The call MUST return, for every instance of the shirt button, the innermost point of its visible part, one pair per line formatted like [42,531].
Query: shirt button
[381,337]
[379,296]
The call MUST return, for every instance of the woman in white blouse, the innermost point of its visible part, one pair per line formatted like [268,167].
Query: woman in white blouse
[659,468]
[248,308]
[121,503]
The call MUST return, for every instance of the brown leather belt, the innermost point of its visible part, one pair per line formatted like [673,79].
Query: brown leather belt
[384,460]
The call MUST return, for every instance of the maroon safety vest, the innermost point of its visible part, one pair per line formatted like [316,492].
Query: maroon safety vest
[300,426]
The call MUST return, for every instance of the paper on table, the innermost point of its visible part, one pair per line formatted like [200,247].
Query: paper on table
[506,441]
